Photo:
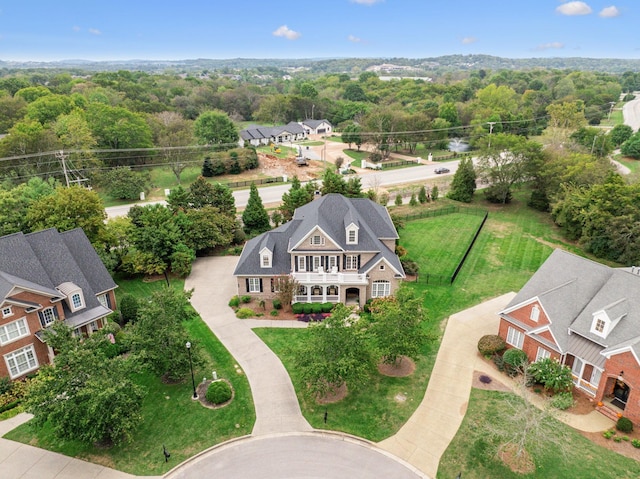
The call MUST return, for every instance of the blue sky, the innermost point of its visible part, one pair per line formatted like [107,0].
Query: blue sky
[172,30]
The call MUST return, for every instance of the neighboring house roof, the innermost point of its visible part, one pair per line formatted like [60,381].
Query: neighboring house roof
[314,123]
[45,260]
[571,289]
[331,213]
[256,132]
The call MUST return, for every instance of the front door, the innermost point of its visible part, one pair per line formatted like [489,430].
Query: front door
[620,394]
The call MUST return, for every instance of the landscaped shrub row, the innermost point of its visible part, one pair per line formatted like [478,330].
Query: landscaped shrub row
[312,308]
[491,344]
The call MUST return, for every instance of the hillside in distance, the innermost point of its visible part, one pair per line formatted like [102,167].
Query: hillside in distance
[411,66]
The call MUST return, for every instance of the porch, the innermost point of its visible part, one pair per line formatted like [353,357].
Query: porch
[338,278]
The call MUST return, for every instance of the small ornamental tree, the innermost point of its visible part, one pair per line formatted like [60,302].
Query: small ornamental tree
[551,374]
[463,184]
[422,195]
[491,344]
[207,168]
[218,392]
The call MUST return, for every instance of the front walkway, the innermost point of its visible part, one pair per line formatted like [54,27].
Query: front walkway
[275,400]
[428,432]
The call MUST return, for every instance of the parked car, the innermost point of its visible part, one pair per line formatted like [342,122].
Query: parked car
[441,170]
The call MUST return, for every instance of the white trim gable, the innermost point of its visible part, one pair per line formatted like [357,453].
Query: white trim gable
[625,349]
[542,329]
[316,229]
[266,258]
[351,228]
[378,263]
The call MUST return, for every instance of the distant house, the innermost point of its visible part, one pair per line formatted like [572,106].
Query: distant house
[45,277]
[264,135]
[587,316]
[337,249]
[317,127]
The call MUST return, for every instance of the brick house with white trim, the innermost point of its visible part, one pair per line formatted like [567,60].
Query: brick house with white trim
[48,276]
[587,316]
[337,249]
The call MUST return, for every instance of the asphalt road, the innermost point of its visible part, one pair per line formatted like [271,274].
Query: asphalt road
[299,456]
[273,194]
[631,112]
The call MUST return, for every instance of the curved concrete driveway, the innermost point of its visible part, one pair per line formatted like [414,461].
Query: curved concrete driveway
[299,456]
[277,408]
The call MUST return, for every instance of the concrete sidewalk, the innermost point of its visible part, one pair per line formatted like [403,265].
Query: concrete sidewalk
[277,408]
[427,434]
[20,461]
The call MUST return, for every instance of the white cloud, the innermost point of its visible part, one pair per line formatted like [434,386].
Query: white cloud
[610,12]
[95,31]
[574,8]
[354,39]
[469,40]
[366,2]
[287,33]
[550,45]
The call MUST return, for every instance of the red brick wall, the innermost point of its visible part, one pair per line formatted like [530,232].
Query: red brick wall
[523,315]
[529,345]
[625,362]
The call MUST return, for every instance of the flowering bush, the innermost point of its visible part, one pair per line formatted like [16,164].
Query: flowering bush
[551,374]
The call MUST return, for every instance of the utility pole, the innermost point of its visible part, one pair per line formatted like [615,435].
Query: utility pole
[611,109]
[60,155]
[491,123]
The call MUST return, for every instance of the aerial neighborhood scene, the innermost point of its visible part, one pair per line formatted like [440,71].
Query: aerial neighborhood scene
[376,239]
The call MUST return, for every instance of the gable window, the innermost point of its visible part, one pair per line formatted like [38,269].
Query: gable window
[535,313]
[7,311]
[254,285]
[317,240]
[542,354]
[515,338]
[14,330]
[381,267]
[21,361]
[380,289]
[351,261]
[47,316]
[302,263]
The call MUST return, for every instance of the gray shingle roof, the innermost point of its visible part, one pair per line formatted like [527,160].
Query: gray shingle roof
[327,212]
[571,289]
[46,259]
[314,123]
[257,132]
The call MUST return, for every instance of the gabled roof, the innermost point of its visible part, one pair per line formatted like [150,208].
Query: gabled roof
[314,123]
[44,260]
[256,132]
[571,289]
[328,213]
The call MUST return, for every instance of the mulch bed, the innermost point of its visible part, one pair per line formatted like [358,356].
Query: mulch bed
[405,366]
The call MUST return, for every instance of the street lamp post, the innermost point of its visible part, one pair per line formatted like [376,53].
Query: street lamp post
[193,380]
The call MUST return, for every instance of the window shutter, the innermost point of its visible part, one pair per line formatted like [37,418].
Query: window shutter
[108,296]
[247,284]
[309,263]
[40,315]
[55,313]
[358,261]
[322,263]
[295,266]
[344,261]
[261,285]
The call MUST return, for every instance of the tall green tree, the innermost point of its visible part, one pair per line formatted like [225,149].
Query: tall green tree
[296,197]
[216,128]
[118,128]
[254,217]
[86,395]
[68,208]
[223,200]
[397,326]
[619,134]
[463,184]
[336,351]
[158,337]
[332,182]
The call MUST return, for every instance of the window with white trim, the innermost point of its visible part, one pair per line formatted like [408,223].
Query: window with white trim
[542,354]
[595,377]
[21,361]
[93,326]
[317,240]
[266,260]
[302,260]
[352,235]
[7,311]
[47,316]
[76,301]
[535,313]
[515,338]
[380,289]
[316,263]
[600,324]
[351,262]
[13,330]
[333,261]
[103,300]
[254,285]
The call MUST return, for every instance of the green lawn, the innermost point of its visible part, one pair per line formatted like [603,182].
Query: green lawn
[171,417]
[472,452]
[633,165]
[373,413]
[356,156]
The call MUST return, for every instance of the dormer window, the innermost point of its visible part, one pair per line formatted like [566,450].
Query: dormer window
[265,258]
[352,234]
[601,325]
[75,300]
[535,313]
